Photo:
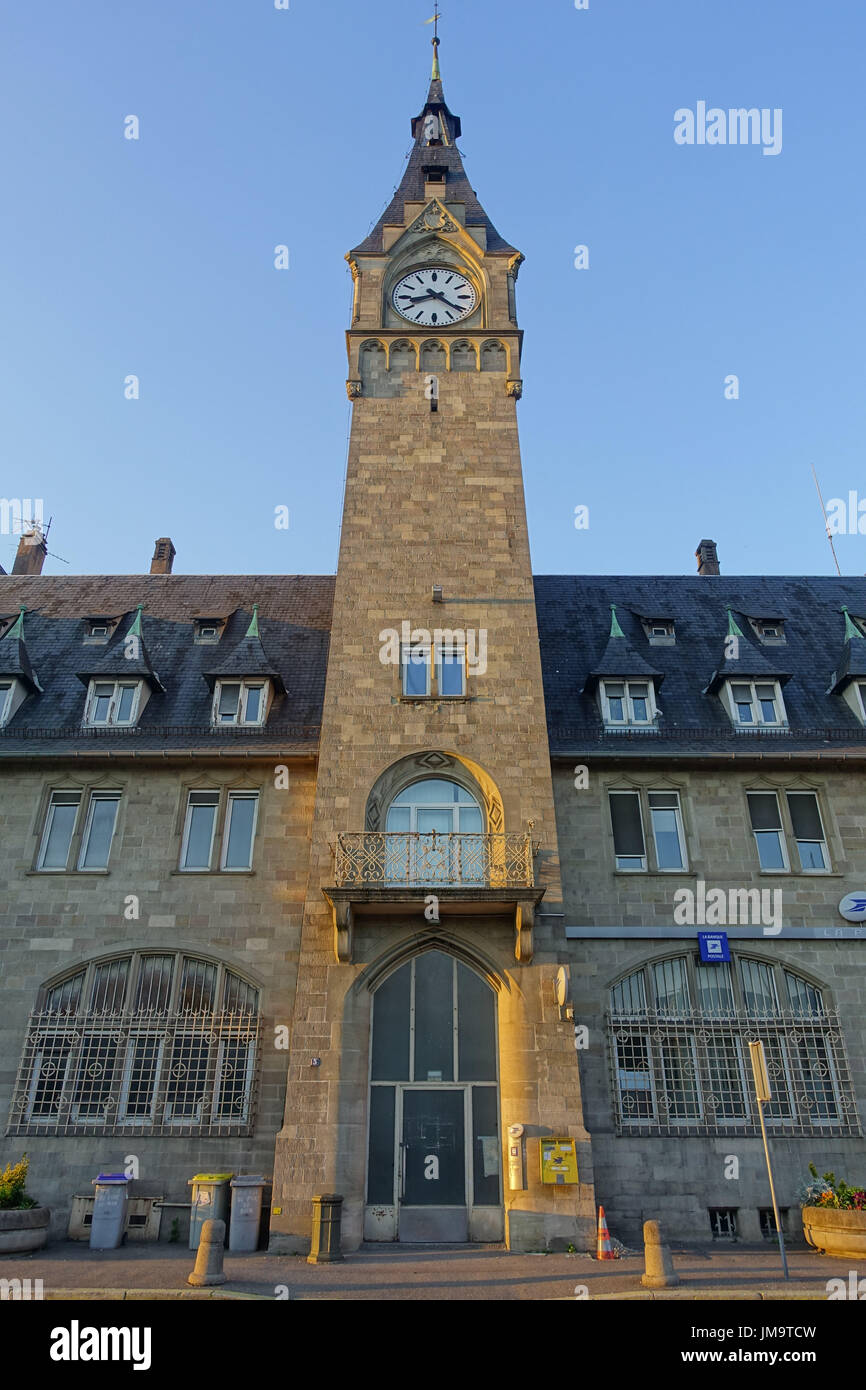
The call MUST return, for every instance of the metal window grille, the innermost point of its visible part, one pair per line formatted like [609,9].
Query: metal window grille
[723,1222]
[768,1221]
[690,1074]
[145,1072]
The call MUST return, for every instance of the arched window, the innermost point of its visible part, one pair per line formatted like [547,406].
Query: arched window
[144,1043]
[679,1034]
[435,835]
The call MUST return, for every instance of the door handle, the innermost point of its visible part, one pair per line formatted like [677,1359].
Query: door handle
[402,1172]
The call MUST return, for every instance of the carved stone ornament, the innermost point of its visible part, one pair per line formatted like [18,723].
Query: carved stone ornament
[514,388]
[353,389]
[434,219]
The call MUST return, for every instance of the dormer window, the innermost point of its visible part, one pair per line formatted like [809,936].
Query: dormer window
[98,630]
[240,702]
[625,703]
[660,632]
[768,629]
[11,694]
[113,703]
[755,704]
[208,631]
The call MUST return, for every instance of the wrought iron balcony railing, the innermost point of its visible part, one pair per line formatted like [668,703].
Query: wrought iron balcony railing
[374,859]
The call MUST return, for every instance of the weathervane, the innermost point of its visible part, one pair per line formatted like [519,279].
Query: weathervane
[434,20]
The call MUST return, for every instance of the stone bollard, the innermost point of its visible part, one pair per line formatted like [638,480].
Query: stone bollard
[327,1218]
[209,1257]
[660,1272]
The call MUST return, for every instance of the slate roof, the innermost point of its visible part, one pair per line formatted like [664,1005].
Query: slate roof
[294,621]
[574,623]
[457,187]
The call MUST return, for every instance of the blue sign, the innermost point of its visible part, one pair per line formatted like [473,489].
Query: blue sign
[714,946]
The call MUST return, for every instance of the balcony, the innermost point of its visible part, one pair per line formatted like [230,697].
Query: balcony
[434,860]
[377,874]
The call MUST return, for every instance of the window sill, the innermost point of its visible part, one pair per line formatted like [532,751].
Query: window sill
[67,873]
[213,873]
[435,699]
[655,873]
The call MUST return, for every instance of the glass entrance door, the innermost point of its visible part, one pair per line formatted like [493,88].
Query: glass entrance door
[433,1162]
[433,1169]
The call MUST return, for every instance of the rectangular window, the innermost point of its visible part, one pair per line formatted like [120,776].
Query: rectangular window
[198,831]
[451,671]
[99,830]
[634,1076]
[416,671]
[723,1222]
[667,824]
[228,704]
[6,688]
[767,827]
[240,702]
[757,702]
[627,702]
[679,1075]
[112,702]
[808,832]
[627,826]
[59,828]
[239,830]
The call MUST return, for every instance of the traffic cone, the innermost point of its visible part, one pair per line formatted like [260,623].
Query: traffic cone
[605,1250]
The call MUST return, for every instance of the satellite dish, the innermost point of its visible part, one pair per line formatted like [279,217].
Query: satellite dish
[562,983]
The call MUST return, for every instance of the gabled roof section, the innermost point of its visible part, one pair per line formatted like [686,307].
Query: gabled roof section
[247,659]
[125,657]
[852,661]
[435,132]
[14,659]
[742,660]
[621,658]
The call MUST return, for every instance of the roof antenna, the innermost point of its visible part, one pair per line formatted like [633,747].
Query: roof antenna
[826,522]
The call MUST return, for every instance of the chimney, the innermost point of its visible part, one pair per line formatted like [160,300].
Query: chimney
[707,558]
[163,556]
[32,550]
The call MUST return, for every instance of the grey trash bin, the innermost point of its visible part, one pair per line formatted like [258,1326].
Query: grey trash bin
[109,1211]
[210,1202]
[246,1212]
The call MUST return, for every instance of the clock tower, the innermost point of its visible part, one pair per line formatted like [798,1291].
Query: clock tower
[432,1048]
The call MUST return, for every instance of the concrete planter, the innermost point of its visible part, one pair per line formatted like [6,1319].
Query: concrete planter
[23,1230]
[834,1232]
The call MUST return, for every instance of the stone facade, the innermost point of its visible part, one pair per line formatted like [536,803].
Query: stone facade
[53,922]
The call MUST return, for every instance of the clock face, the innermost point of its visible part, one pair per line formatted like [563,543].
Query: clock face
[434,297]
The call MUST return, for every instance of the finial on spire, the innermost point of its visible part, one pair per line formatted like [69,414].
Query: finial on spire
[434,20]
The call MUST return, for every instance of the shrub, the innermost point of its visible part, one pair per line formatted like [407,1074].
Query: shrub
[12,1180]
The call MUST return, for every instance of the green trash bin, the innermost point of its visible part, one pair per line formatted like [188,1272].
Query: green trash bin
[210,1202]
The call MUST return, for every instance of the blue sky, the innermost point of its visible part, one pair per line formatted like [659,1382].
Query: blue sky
[260,127]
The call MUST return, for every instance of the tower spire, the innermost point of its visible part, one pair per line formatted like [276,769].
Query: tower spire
[434,20]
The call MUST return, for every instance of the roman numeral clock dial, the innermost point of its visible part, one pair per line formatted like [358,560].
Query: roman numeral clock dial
[434,297]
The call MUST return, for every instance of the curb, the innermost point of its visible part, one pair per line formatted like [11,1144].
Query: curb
[137,1295]
[712,1295]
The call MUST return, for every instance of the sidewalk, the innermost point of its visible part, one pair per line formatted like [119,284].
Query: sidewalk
[422,1273]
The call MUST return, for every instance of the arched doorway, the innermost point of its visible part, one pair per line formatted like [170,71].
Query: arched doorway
[433,1169]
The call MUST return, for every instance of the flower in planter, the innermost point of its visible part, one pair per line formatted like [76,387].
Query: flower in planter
[12,1180]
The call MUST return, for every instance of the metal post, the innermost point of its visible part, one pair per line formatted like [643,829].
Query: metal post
[762,1094]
